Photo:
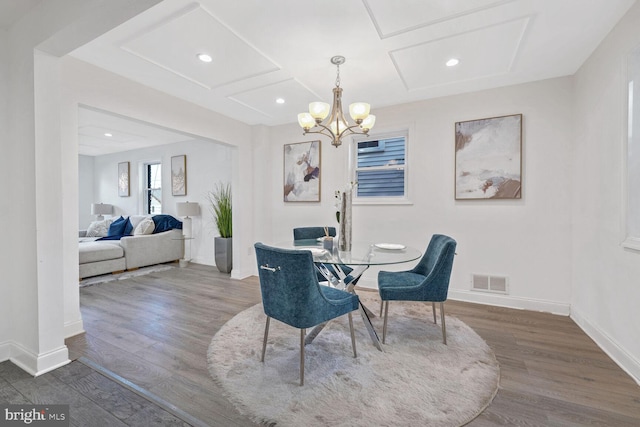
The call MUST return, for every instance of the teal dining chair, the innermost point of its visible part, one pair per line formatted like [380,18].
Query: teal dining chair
[292,294]
[427,281]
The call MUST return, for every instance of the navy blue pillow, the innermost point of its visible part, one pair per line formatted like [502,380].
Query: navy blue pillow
[128,229]
[165,223]
[117,227]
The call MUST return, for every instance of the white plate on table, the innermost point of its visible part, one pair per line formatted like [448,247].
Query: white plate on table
[316,251]
[390,246]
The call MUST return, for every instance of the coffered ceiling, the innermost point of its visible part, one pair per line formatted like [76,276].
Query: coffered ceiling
[395,50]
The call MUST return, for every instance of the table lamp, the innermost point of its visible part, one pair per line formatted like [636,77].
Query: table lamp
[101,209]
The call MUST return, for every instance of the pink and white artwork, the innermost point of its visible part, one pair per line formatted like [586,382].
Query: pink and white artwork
[488,158]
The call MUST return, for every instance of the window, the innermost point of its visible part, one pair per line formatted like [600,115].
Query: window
[380,167]
[153,188]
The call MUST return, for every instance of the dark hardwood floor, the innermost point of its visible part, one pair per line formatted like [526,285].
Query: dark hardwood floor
[153,332]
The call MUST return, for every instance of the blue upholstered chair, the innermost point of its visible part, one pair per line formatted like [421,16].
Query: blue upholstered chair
[312,233]
[291,294]
[427,281]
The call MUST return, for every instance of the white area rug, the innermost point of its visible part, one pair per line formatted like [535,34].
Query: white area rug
[122,276]
[417,381]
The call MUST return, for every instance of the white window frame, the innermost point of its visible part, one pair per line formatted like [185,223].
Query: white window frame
[353,162]
[145,188]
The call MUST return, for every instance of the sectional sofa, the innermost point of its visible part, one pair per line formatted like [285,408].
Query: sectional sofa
[149,240]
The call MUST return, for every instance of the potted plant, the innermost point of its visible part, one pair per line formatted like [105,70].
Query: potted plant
[220,201]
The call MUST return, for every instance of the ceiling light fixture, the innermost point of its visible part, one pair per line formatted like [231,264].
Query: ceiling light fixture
[337,126]
[279,101]
[453,62]
[108,135]
[204,57]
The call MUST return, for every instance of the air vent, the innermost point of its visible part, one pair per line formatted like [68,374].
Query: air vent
[486,283]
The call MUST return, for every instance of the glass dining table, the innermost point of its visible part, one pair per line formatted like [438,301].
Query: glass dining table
[361,256]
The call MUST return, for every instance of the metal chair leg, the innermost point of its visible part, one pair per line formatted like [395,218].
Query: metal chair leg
[444,328]
[381,303]
[302,334]
[433,306]
[353,335]
[264,342]
[384,327]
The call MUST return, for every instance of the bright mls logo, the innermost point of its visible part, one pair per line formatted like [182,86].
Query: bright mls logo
[35,415]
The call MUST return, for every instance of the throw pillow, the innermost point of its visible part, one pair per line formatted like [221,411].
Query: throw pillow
[146,226]
[99,228]
[117,227]
[166,223]
[128,228]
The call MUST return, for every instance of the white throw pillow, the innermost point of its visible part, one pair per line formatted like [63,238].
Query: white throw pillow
[99,228]
[146,226]
[135,220]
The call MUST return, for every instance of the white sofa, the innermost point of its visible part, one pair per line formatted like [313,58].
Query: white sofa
[98,257]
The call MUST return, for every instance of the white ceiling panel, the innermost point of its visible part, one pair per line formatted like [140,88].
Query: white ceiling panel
[263,99]
[126,133]
[175,44]
[484,52]
[392,17]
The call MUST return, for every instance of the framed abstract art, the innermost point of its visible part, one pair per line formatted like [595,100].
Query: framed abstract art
[179,175]
[123,179]
[302,172]
[488,159]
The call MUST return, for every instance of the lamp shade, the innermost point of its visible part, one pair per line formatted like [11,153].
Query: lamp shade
[101,209]
[187,209]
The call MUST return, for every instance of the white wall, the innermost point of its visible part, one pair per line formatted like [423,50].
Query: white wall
[207,164]
[5,202]
[527,240]
[85,191]
[606,277]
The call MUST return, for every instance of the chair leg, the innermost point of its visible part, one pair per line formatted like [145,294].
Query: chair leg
[302,334]
[444,328]
[381,303]
[433,306]
[384,327]
[353,336]
[264,342]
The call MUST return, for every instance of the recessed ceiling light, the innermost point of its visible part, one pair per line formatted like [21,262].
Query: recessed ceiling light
[204,57]
[108,135]
[453,62]
[280,101]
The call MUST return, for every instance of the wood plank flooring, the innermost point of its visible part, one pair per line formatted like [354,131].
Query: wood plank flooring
[154,331]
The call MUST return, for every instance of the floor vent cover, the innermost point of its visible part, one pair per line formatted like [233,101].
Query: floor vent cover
[486,283]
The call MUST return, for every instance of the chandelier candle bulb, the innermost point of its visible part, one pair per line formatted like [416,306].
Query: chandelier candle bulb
[359,111]
[306,121]
[319,110]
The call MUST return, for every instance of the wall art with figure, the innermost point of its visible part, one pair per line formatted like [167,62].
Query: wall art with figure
[302,172]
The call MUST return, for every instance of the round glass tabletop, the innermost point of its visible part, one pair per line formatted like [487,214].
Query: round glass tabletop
[362,253]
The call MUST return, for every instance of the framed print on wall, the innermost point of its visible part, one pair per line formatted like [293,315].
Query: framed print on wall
[488,162]
[302,172]
[123,179]
[179,175]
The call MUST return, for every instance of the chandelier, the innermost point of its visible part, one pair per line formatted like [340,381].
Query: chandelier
[336,126]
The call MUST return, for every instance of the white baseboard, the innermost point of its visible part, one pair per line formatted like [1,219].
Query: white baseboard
[626,361]
[38,364]
[73,328]
[509,301]
[494,299]
[5,351]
